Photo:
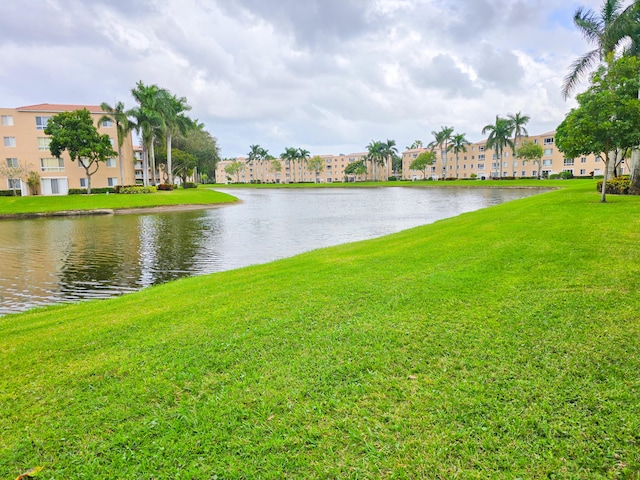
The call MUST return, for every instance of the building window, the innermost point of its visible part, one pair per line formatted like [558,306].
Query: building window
[548,141]
[14,183]
[505,164]
[41,122]
[9,141]
[43,143]
[548,151]
[112,142]
[524,174]
[495,165]
[112,181]
[583,160]
[568,162]
[546,163]
[52,164]
[481,166]
[597,159]
[83,183]
[7,121]
[471,167]
[481,149]
[481,157]
[582,171]
[12,162]
[107,123]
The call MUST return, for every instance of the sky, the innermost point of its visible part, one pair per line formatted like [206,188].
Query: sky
[329,76]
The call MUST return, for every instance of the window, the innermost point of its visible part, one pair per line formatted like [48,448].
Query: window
[548,151]
[52,164]
[43,143]
[524,174]
[471,166]
[515,164]
[9,141]
[546,163]
[597,159]
[107,123]
[481,149]
[583,160]
[41,122]
[112,181]
[495,165]
[481,157]
[112,141]
[83,183]
[548,141]
[568,162]
[481,166]
[7,121]
[14,183]
[582,171]
[12,162]
[505,164]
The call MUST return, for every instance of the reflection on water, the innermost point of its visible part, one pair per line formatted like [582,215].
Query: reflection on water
[55,260]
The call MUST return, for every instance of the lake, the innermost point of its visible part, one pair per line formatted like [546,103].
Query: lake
[65,259]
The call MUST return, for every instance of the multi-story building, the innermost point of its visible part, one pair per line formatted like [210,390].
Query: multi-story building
[480,162]
[25,148]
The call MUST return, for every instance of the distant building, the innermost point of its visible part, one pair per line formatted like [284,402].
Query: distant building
[24,144]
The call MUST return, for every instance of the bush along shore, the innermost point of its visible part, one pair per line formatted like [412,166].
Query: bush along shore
[503,343]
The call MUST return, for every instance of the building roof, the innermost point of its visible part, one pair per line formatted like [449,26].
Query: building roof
[55,108]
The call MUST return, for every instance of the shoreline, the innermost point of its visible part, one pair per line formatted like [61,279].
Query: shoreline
[112,211]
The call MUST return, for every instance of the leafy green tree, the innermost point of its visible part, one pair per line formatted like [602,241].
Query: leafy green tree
[124,126]
[498,138]
[606,121]
[605,29]
[75,132]
[275,166]
[316,165]
[533,152]
[458,145]
[415,144]
[424,161]
[356,168]
[203,146]
[234,168]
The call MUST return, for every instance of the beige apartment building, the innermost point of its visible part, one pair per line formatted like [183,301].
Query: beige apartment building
[478,162]
[24,145]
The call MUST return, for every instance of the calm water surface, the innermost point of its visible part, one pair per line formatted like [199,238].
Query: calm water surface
[45,261]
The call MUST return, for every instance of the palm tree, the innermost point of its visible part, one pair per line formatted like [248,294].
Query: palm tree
[605,29]
[290,155]
[518,122]
[458,144]
[389,150]
[123,127]
[375,155]
[171,109]
[303,156]
[149,121]
[499,137]
[441,140]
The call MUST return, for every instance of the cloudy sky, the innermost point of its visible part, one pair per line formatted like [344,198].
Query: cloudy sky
[326,75]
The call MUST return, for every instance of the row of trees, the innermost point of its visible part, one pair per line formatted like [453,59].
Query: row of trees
[179,143]
[606,121]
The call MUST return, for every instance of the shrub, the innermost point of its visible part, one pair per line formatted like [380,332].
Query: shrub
[10,193]
[392,178]
[473,176]
[566,175]
[616,186]
[138,189]
[167,186]
[193,185]
[83,191]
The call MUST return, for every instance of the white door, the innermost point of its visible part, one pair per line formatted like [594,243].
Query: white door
[55,186]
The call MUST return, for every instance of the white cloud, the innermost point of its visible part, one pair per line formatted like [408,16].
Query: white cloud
[327,75]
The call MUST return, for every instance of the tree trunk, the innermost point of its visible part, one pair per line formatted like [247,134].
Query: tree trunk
[153,164]
[634,170]
[603,197]
[145,166]
[169,170]
[120,162]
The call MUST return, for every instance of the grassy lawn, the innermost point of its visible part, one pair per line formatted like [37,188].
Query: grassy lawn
[32,204]
[503,343]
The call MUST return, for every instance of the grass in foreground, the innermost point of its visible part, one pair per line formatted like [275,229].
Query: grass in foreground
[503,343]
[33,204]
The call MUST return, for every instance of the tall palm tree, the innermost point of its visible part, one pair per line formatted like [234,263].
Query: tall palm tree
[124,126]
[458,144]
[499,137]
[518,122]
[149,120]
[389,150]
[171,109]
[375,155]
[303,156]
[441,140]
[605,29]
[290,155]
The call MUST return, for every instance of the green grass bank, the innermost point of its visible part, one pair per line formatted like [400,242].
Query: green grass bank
[503,343]
[43,204]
